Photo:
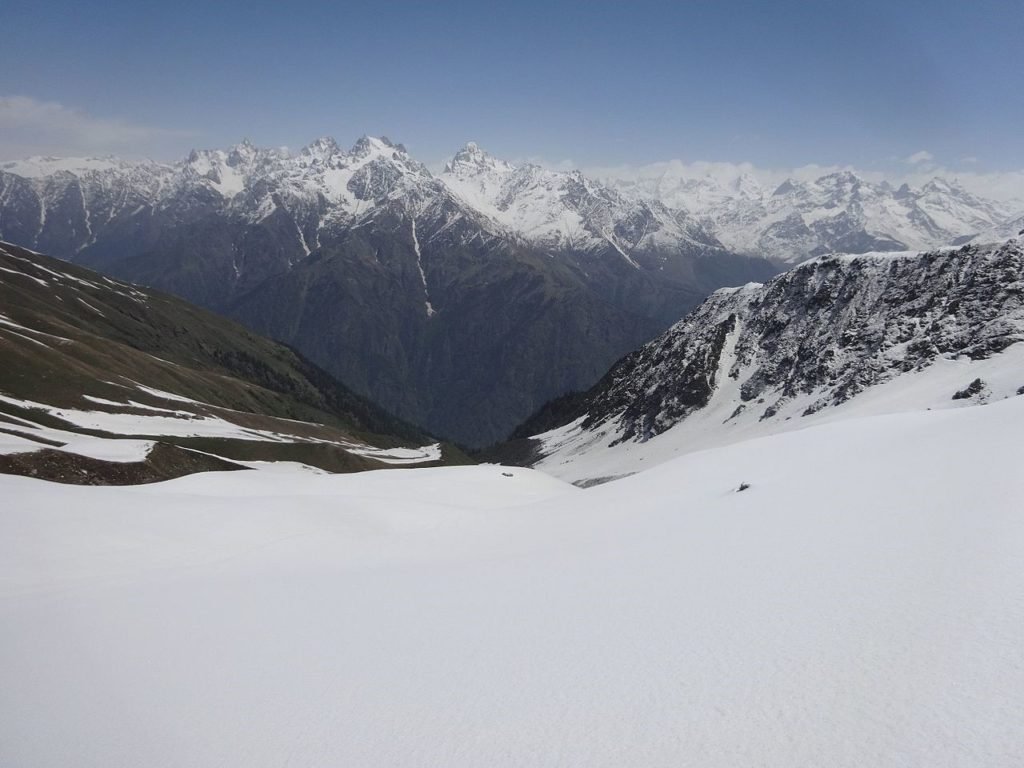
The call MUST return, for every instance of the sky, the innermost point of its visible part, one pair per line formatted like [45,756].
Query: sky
[875,85]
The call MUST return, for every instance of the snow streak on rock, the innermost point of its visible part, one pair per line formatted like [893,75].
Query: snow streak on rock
[419,266]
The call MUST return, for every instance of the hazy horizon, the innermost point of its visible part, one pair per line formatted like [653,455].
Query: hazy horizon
[915,170]
[872,86]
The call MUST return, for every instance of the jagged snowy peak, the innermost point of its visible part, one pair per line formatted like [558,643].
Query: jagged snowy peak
[836,336]
[62,205]
[471,160]
[374,169]
[230,171]
[237,169]
[557,209]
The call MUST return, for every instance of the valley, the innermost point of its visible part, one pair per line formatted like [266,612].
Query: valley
[328,458]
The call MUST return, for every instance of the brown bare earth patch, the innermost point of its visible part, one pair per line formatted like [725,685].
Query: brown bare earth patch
[165,462]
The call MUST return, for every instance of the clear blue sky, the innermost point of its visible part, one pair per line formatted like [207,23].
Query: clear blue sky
[778,84]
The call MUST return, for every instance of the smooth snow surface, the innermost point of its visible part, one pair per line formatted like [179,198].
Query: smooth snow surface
[860,604]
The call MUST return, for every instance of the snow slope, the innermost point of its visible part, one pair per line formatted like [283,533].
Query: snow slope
[580,455]
[859,604]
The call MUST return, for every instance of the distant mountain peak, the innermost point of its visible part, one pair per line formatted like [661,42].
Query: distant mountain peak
[785,187]
[325,146]
[39,166]
[367,145]
[944,186]
[840,178]
[472,159]
[747,185]
[244,153]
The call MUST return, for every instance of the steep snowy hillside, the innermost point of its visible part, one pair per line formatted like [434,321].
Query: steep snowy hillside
[104,382]
[382,274]
[858,604]
[834,337]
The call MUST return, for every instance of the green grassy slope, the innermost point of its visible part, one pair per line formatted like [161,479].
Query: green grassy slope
[67,332]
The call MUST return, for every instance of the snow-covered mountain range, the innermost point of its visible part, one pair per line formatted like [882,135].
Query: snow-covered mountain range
[836,212]
[384,273]
[50,201]
[834,337]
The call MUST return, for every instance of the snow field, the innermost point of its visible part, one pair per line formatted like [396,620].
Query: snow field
[859,604]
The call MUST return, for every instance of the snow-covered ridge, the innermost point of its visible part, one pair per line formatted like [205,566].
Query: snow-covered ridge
[837,211]
[827,339]
[567,209]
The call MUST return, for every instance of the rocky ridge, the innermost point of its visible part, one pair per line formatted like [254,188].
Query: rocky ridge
[826,334]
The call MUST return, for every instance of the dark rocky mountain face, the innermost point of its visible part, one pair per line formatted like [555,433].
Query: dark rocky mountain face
[385,275]
[814,337]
